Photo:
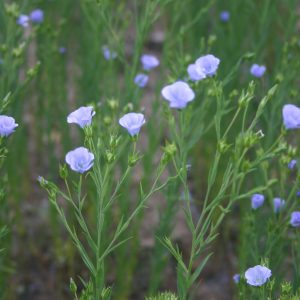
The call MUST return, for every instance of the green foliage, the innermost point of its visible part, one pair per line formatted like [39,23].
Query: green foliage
[163,296]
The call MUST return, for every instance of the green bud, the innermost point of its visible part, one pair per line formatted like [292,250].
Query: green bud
[17,52]
[294,93]
[114,141]
[246,165]
[133,159]
[73,286]
[12,10]
[279,78]
[3,48]
[170,149]
[110,157]
[211,40]
[113,104]
[63,171]
[223,146]
[128,108]
[233,94]
[107,121]
[33,71]
[248,55]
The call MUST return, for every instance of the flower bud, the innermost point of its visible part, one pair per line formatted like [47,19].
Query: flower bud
[133,159]
[73,286]
[110,157]
[63,171]
[113,104]
[107,120]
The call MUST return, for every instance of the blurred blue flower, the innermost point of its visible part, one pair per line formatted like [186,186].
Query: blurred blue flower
[179,94]
[205,66]
[292,164]
[208,64]
[257,275]
[195,74]
[108,54]
[62,50]
[278,204]
[236,278]
[257,200]
[224,16]
[257,70]
[23,21]
[80,160]
[132,122]
[291,116]
[298,194]
[149,62]
[141,80]
[295,219]
[82,116]
[7,125]
[37,16]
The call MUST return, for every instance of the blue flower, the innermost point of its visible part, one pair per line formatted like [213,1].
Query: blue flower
[205,66]
[298,194]
[257,275]
[224,16]
[291,116]
[195,73]
[132,122]
[141,80]
[80,160]
[37,16]
[257,200]
[278,204]
[7,125]
[179,94]
[295,219]
[257,70]
[62,50]
[149,62]
[23,21]
[236,278]
[292,164]
[108,54]
[82,116]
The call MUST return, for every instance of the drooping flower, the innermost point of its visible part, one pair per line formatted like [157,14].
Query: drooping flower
[7,125]
[132,122]
[257,70]
[141,80]
[257,200]
[80,160]
[295,219]
[292,164]
[108,54]
[149,62]
[236,278]
[224,16]
[257,275]
[37,16]
[291,116]
[23,20]
[82,116]
[278,204]
[179,94]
